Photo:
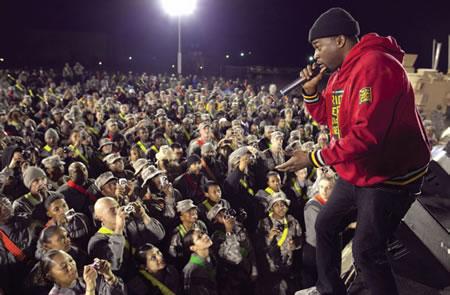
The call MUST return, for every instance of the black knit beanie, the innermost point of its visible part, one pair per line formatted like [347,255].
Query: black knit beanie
[333,22]
[194,158]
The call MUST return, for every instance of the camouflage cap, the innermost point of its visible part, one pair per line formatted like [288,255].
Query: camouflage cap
[185,205]
[104,178]
[52,161]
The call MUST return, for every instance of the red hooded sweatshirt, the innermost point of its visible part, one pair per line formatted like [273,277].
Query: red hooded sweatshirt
[369,107]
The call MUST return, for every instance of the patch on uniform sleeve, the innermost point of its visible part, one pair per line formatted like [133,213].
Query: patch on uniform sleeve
[365,95]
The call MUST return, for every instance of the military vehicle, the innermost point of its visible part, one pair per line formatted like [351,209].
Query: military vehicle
[431,88]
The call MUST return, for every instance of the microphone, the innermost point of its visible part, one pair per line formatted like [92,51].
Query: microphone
[300,81]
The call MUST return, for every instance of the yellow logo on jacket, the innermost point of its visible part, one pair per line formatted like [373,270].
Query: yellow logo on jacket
[336,100]
[365,95]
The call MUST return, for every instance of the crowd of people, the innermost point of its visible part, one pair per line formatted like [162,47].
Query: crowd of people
[125,183]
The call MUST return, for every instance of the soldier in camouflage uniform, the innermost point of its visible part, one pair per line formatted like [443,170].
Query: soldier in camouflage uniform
[234,251]
[280,235]
[189,220]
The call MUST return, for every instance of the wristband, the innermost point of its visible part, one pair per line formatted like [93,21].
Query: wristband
[310,98]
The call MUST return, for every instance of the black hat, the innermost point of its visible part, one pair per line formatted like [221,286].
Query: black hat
[194,158]
[333,22]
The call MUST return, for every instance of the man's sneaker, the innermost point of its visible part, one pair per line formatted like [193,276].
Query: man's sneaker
[309,291]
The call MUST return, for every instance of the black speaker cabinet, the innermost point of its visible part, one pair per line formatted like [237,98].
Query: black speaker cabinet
[437,180]
[421,250]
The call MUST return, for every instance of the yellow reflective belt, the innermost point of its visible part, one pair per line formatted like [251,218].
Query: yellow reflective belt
[269,191]
[78,153]
[169,141]
[297,188]
[142,146]
[155,148]
[30,92]
[18,86]
[93,130]
[284,234]
[207,204]
[182,230]
[47,148]
[245,185]
[188,136]
[105,231]
[122,116]
[285,231]
[32,199]
[108,232]
[163,288]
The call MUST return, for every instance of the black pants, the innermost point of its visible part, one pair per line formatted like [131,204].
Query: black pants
[309,267]
[379,211]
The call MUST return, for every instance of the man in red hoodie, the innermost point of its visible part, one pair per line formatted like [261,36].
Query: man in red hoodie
[379,148]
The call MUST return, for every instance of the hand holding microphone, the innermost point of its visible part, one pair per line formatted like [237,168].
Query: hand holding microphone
[309,79]
[312,75]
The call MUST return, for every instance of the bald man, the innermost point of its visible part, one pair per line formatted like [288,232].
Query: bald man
[80,191]
[120,234]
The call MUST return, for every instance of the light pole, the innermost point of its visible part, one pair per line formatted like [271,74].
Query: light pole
[179,8]
[179,55]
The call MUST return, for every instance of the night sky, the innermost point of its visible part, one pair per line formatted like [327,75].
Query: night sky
[275,31]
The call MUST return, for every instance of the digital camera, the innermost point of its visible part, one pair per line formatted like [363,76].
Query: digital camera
[123,182]
[240,215]
[129,208]
[96,265]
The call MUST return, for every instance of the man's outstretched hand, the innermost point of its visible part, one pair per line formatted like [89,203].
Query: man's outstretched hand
[299,160]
